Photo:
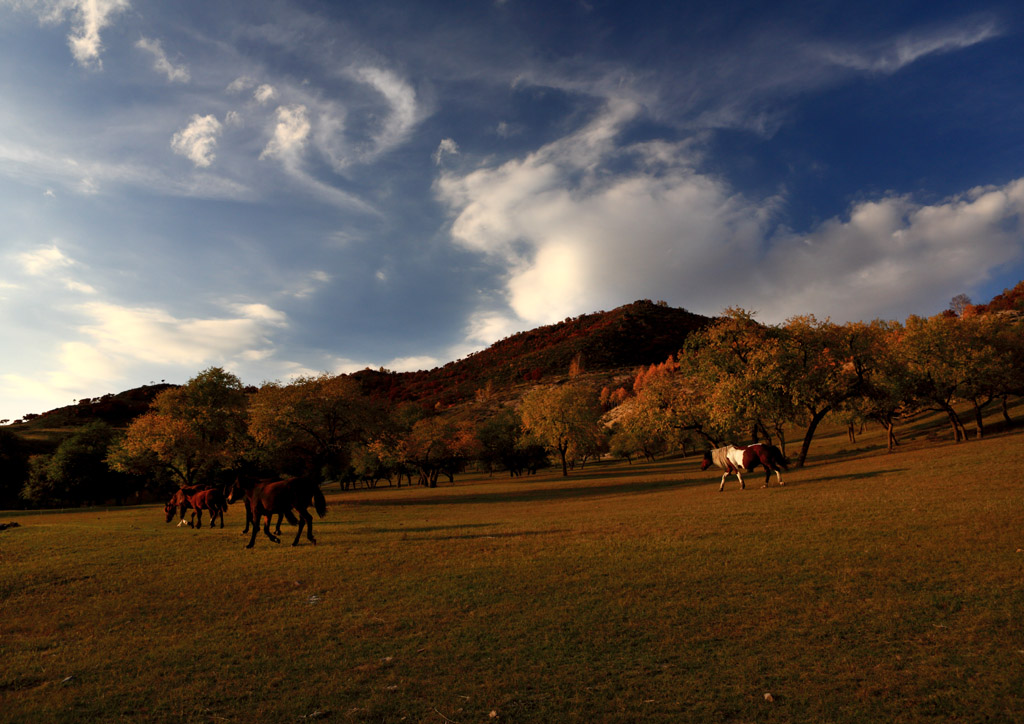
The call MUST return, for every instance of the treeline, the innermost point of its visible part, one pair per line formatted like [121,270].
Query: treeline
[739,380]
[735,380]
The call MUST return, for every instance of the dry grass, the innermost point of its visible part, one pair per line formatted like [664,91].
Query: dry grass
[871,587]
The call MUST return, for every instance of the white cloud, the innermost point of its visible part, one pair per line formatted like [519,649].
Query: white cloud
[290,134]
[447,145]
[572,238]
[198,140]
[88,18]
[161,64]
[153,335]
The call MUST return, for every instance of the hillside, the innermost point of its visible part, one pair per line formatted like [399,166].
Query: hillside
[632,335]
[636,334]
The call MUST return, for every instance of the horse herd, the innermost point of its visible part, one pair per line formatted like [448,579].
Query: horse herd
[262,498]
[286,498]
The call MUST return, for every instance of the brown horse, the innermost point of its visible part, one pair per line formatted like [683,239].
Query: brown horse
[242,489]
[212,500]
[179,502]
[282,497]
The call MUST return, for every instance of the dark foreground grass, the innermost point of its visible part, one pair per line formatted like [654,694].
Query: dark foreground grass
[877,588]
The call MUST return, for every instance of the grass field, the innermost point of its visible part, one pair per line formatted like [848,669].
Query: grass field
[871,588]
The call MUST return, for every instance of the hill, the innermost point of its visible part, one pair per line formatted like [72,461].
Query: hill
[636,334]
[640,333]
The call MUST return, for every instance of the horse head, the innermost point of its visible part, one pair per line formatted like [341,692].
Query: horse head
[170,509]
[706,462]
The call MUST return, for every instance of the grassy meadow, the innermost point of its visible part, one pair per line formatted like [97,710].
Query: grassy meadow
[871,587]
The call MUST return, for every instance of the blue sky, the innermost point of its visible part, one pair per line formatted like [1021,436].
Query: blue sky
[283,188]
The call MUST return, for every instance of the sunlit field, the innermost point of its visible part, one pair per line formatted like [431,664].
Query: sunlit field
[870,588]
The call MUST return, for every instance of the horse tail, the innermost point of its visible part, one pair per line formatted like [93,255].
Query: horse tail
[318,501]
[289,515]
[776,456]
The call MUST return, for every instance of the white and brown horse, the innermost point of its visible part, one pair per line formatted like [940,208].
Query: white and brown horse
[738,460]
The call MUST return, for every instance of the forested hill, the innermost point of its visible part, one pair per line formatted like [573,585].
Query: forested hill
[640,333]
[636,334]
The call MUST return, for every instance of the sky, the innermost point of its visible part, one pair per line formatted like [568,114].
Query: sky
[285,188]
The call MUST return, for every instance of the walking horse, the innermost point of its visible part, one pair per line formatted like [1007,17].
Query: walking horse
[738,460]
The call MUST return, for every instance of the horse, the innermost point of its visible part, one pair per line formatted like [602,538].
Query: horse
[212,500]
[179,502]
[282,497]
[242,489]
[737,460]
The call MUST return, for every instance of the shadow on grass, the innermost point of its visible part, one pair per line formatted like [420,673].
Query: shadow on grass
[485,536]
[527,494]
[849,477]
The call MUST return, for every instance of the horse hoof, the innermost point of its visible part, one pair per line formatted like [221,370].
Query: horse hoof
[249,546]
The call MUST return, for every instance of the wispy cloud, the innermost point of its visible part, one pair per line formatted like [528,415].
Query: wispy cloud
[892,55]
[43,260]
[161,63]
[447,146]
[401,99]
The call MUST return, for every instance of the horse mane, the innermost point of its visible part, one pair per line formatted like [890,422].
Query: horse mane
[718,456]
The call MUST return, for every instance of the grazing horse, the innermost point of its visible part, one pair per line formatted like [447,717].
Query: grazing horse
[212,500]
[737,460]
[179,503]
[282,497]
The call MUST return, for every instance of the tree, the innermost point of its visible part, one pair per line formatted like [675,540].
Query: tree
[190,433]
[562,417]
[311,423]
[14,467]
[888,391]
[77,472]
[824,365]
[933,350]
[959,304]
[437,445]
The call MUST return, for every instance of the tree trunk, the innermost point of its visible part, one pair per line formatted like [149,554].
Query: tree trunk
[1006,410]
[565,464]
[816,418]
[977,419]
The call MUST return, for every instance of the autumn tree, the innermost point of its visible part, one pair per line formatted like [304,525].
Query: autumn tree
[824,365]
[189,433]
[437,445]
[562,417]
[934,350]
[311,423]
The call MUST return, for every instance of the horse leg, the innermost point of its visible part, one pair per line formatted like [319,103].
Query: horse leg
[743,486]
[255,530]
[302,522]
[778,474]
[248,515]
[277,529]
[309,527]
[722,486]
[266,529]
